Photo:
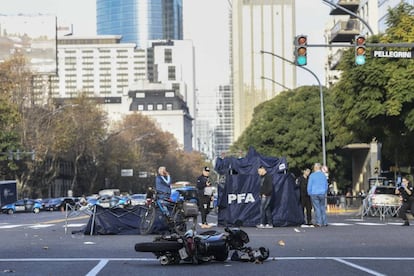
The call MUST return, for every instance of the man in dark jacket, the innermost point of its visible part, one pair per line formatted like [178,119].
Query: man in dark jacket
[406,190]
[266,191]
[204,197]
[305,199]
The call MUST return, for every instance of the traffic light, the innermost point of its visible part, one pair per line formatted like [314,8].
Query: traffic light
[301,44]
[360,49]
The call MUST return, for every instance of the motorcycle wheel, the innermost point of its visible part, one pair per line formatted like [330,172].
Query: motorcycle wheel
[158,246]
[147,221]
[180,222]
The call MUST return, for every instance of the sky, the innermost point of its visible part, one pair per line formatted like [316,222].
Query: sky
[205,23]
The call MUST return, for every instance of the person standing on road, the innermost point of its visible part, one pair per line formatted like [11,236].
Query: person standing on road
[317,188]
[163,183]
[407,194]
[205,193]
[266,191]
[305,199]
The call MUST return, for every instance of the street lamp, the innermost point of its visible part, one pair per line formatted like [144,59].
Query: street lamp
[321,97]
[278,83]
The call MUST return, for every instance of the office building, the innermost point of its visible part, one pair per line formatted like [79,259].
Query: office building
[257,25]
[139,21]
[99,66]
[166,105]
[223,132]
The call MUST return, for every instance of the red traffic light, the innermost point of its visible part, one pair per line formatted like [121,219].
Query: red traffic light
[360,40]
[301,40]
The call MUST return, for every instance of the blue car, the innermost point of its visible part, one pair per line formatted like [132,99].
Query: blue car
[22,205]
[107,201]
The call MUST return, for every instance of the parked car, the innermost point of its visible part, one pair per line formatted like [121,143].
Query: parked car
[44,201]
[22,205]
[379,196]
[137,199]
[108,201]
[59,203]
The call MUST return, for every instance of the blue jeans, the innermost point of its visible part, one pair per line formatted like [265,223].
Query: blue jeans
[265,211]
[319,206]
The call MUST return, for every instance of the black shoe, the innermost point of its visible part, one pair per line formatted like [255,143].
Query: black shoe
[406,223]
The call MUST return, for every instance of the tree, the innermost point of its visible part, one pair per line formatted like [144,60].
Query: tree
[376,99]
[9,137]
[289,125]
[137,143]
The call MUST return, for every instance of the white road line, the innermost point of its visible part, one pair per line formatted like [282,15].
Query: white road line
[75,259]
[97,268]
[340,224]
[154,259]
[370,271]
[75,225]
[39,226]
[369,223]
[10,226]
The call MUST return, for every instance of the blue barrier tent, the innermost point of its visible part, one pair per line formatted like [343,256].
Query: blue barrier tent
[238,192]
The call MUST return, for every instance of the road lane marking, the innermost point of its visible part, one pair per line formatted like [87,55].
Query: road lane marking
[75,225]
[97,268]
[10,226]
[40,226]
[367,270]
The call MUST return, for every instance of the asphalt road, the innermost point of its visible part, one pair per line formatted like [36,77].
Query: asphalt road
[43,244]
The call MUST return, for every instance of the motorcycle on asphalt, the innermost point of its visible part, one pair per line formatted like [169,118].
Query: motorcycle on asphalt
[204,247]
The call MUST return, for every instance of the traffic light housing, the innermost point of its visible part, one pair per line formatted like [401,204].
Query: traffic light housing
[301,50]
[360,49]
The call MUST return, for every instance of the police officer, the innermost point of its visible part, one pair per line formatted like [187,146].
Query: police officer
[204,198]
[406,191]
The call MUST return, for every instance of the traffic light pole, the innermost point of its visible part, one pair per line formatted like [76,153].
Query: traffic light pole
[321,99]
[396,45]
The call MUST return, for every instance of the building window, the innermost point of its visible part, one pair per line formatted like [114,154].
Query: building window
[140,107]
[167,56]
[176,87]
[150,107]
[169,94]
[171,72]
[139,95]
[159,106]
[169,106]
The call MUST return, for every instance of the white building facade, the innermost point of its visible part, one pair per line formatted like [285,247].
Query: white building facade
[107,70]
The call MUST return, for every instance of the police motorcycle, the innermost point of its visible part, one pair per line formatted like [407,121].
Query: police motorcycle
[204,247]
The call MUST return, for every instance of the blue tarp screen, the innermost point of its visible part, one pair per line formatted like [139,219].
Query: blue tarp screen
[238,191]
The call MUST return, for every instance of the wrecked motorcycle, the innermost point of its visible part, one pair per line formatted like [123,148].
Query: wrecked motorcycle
[204,247]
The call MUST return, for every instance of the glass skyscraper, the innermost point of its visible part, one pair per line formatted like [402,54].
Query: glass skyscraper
[139,21]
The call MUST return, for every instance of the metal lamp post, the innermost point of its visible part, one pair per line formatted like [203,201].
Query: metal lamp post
[321,99]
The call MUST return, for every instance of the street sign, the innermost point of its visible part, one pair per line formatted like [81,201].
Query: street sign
[127,172]
[392,54]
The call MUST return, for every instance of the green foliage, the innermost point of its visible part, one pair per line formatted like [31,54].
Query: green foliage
[289,126]
[9,136]
[377,99]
